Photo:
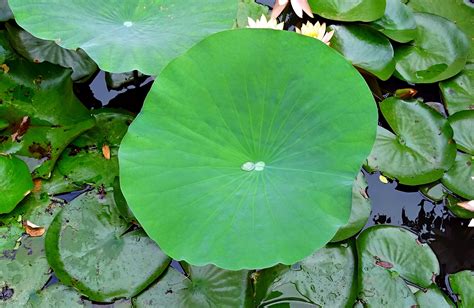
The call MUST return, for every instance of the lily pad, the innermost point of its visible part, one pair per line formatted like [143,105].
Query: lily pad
[460,12]
[37,50]
[419,150]
[24,271]
[56,295]
[433,298]
[122,36]
[43,113]
[249,8]
[15,182]
[343,10]
[89,248]
[462,123]
[462,284]
[458,92]
[365,48]
[206,286]
[454,205]
[360,211]
[436,192]
[5,12]
[459,178]
[438,52]
[398,22]
[389,257]
[240,150]
[327,278]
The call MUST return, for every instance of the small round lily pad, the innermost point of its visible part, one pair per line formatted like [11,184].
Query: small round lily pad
[438,52]
[458,92]
[91,249]
[433,297]
[57,295]
[421,147]
[253,145]
[15,182]
[462,123]
[398,22]
[459,178]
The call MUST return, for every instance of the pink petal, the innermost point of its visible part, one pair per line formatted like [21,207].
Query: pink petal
[278,8]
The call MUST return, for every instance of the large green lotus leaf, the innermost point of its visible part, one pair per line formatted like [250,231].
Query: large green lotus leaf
[419,150]
[15,182]
[253,144]
[433,298]
[5,12]
[389,256]
[462,123]
[249,8]
[84,162]
[354,10]
[327,278]
[203,287]
[454,205]
[360,211]
[37,50]
[89,248]
[458,92]
[438,52]
[122,36]
[56,296]
[462,284]
[398,22]
[43,114]
[460,12]
[365,48]
[22,272]
[459,179]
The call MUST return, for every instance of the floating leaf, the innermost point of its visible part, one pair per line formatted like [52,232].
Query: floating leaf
[435,192]
[398,22]
[123,36]
[343,10]
[15,182]
[462,284]
[185,161]
[206,286]
[360,210]
[249,8]
[420,150]
[462,123]
[458,92]
[460,177]
[459,208]
[438,52]
[458,11]
[388,257]
[327,278]
[5,12]
[37,50]
[56,295]
[89,248]
[433,297]
[365,48]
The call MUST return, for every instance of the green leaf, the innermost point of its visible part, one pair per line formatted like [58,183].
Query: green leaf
[37,50]
[343,10]
[433,298]
[206,286]
[462,123]
[122,36]
[458,92]
[15,182]
[327,278]
[23,272]
[458,179]
[419,150]
[435,192]
[388,257]
[438,52]
[249,8]
[40,106]
[183,161]
[360,211]
[462,284]
[453,204]
[398,22]
[458,11]
[89,248]
[5,12]
[56,295]
[365,48]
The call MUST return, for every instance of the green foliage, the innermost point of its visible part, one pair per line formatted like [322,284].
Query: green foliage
[15,182]
[462,284]
[398,22]
[343,10]
[458,92]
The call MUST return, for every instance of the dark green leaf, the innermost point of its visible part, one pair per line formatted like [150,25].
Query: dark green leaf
[15,182]
[462,284]
[458,92]
[453,204]
[354,10]
[398,22]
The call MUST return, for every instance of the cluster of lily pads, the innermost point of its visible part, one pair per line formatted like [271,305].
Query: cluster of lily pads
[246,154]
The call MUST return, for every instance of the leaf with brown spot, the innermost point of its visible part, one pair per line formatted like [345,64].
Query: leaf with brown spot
[21,129]
[32,229]
[384,264]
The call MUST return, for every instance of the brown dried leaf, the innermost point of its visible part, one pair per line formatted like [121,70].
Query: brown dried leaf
[32,229]
[106,151]
[5,68]
[21,129]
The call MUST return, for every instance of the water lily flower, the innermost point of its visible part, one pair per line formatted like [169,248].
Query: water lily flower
[299,6]
[317,31]
[263,23]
